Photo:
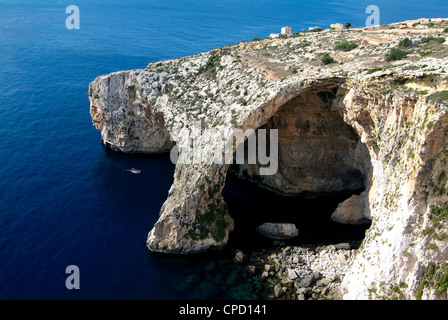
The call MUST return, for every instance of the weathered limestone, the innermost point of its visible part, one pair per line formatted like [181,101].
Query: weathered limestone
[193,220]
[407,164]
[359,123]
[351,211]
[121,107]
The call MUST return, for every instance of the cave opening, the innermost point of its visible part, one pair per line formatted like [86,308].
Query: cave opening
[250,206]
[321,163]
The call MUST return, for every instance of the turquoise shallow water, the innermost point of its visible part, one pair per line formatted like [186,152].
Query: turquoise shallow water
[64,198]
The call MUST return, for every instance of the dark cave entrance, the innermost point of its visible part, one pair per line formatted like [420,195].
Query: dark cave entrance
[321,163]
[250,206]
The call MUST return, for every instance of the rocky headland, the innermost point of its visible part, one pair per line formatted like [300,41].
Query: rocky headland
[354,109]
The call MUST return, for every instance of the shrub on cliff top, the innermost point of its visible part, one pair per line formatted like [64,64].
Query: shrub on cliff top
[327,59]
[344,45]
[439,213]
[428,39]
[395,54]
[406,42]
[213,62]
[314,30]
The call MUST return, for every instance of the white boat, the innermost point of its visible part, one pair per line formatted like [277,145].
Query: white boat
[135,171]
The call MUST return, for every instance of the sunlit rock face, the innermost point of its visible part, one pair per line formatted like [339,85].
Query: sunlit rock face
[121,107]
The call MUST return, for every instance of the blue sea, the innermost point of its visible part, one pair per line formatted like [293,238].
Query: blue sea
[65,199]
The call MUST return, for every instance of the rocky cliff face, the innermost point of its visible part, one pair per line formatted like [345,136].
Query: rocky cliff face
[121,107]
[357,122]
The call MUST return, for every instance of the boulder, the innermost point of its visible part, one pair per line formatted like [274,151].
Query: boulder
[351,211]
[279,290]
[278,231]
[292,275]
[308,281]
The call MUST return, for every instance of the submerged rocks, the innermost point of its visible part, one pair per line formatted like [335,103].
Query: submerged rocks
[278,231]
[219,279]
[239,257]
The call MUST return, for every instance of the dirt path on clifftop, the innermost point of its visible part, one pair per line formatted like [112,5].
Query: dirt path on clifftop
[261,65]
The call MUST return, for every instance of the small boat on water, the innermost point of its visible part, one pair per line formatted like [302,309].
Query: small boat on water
[135,171]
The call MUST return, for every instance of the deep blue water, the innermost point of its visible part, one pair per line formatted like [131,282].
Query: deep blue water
[64,198]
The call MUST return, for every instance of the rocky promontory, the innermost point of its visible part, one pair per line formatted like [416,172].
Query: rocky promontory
[354,109]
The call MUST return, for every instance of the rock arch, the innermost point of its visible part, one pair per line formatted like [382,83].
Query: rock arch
[319,153]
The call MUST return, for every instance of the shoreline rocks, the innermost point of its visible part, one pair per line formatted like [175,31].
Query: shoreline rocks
[301,273]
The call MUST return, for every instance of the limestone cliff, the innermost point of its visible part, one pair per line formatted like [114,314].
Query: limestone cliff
[347,120]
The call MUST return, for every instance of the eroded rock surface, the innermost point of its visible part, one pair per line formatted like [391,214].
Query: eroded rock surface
[122,108]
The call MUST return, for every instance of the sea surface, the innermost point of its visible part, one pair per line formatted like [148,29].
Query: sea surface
[67,200]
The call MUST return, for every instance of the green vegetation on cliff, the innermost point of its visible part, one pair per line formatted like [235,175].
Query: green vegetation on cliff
[211,223]
[395,54]
[344,45]
[435,278]
[438,97]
